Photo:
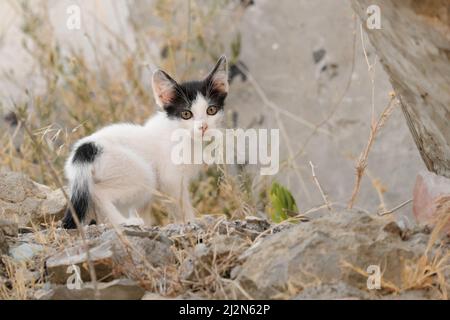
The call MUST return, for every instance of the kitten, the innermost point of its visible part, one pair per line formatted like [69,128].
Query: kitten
[115,171]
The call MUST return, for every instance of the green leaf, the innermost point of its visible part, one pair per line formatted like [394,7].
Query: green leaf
[282,202]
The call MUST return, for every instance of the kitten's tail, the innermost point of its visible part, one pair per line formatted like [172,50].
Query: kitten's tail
[80,190]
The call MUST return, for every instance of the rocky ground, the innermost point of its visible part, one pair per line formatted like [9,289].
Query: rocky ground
[325,256]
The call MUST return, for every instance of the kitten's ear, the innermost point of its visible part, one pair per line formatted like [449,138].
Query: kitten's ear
[164,88]
[218,77]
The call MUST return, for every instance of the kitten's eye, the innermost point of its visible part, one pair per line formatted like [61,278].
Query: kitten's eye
[186,114]
[212,110]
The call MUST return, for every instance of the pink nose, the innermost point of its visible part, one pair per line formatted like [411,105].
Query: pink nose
[204,127]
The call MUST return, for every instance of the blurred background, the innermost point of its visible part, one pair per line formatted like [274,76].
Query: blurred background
[298,65]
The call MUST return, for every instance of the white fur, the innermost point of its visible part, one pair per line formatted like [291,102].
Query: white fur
[134,161]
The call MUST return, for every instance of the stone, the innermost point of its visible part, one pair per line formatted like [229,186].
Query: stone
[155,296]
[227,245]
[43,294]
[217,248]
[4,247]
[15,187]
[154,249]
[412,295]
[9,228]
[337,291]
[110,255]
[53,206]
[119,289]
[317,259]
[27,202]
[26,251]
[101,255]
[325,249]
[429,191]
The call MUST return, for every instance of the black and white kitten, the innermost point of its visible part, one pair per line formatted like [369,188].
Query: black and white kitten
[117,169]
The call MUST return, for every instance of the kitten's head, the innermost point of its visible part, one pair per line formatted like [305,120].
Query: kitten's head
[195,105]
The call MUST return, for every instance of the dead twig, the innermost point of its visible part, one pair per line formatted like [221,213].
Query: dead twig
[401,205]
[316,181]
[363,158]
[267,102]
[58,183]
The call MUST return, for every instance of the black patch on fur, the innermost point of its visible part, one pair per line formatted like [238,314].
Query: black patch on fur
[85,153]
[80,203]
[185,94]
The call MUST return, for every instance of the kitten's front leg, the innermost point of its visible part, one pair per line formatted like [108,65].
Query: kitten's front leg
[176,186]
[134,219]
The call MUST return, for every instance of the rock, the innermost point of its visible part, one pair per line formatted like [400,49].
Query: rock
[154,248]
[223,244]
[15,187]
[218,248]
[59,265]
[412,295]
[318,259]
[119,289]
[27,202]
[417,62]
[337,291]
[111,256]
[44,293]
[394,228]
[324,249]
[26,251]
[53,207]
[3,281]
[9,228]
[155,296]
[429,190]
[251,227]
[4,247]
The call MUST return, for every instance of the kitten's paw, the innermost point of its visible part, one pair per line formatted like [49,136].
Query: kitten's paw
[134,222]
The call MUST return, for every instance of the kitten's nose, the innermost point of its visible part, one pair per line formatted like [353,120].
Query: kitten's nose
[204,127]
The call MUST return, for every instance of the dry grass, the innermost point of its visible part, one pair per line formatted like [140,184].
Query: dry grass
[425,273]
[210,277]
[75,97]
[78,97]
[431,269]
[376,126]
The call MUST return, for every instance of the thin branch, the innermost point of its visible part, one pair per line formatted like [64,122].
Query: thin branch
[401,205]
[363,158]
[316,181]
[58,183]
[280,123]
